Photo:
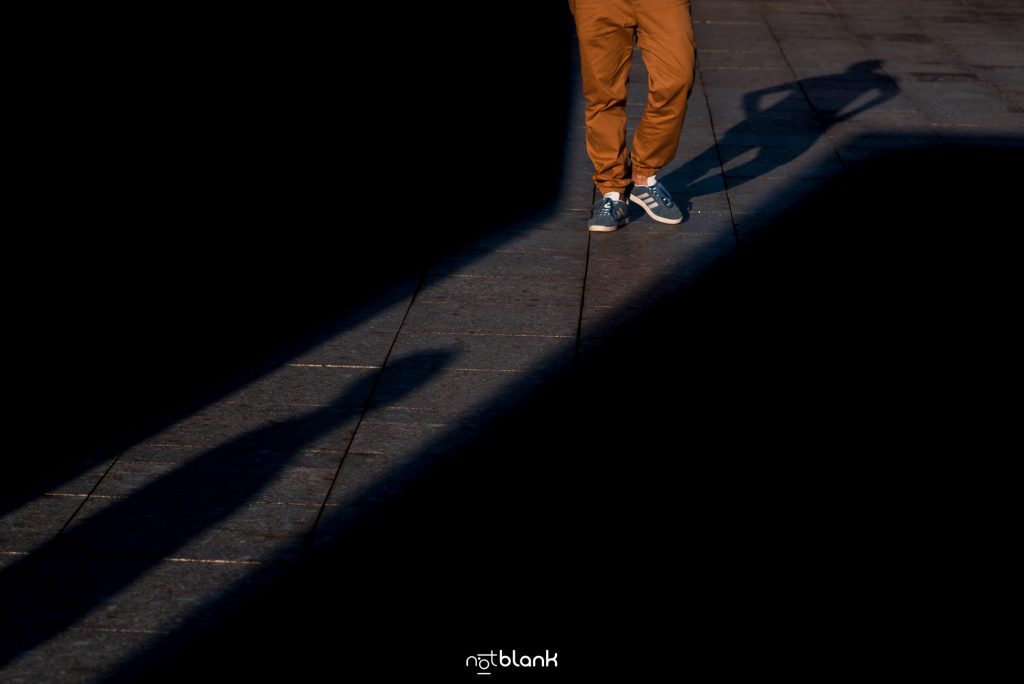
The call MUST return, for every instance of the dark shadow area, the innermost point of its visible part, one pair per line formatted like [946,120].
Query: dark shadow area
[52,588]
[203,182]
[748,476]
[784,130]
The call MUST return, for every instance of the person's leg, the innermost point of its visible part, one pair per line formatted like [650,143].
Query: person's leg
[665,35]
[605,29]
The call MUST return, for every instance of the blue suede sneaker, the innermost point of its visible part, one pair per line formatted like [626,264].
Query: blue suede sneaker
[609,215]
[656,201]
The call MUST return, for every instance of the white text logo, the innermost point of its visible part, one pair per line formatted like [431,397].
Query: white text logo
[486,662]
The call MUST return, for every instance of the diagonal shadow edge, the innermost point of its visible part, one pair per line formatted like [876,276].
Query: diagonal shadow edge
[685,179]
[509,221]
[345,521]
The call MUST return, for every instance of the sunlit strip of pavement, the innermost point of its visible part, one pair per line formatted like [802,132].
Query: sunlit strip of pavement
[479,330]
[173,523]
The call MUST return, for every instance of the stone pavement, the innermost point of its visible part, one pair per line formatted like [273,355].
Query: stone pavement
[789,94]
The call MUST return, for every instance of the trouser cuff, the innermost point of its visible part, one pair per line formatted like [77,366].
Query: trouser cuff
[605,189]
[644,170]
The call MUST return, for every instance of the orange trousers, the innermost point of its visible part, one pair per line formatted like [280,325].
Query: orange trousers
[606,30]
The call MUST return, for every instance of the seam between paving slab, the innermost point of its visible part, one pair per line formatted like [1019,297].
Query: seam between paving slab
[365,408]
[698,74]
[923,111]
[822,132]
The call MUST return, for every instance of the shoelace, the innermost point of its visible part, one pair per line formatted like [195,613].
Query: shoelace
[660,194]
[607,205]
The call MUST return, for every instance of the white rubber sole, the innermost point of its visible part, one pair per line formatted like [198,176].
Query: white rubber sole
[654,216]
[606,229]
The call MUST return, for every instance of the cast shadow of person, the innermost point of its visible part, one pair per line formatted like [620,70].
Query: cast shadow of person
[782,132]
[61,582]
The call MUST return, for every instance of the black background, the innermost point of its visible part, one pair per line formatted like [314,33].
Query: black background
[749,476]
